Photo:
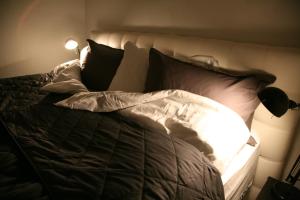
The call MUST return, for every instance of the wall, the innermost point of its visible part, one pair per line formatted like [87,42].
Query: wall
[268,22]
[33,33]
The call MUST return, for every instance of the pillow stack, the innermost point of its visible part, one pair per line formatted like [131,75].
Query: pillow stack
[140,70]
[107,68]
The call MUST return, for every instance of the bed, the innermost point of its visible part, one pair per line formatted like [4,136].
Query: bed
[60,159]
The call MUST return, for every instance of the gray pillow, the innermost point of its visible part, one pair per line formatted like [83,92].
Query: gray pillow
[235,89]
[100,66]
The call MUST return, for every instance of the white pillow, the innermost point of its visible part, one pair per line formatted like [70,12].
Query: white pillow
[132,72]
[59,68]
[83,54]
[67,79]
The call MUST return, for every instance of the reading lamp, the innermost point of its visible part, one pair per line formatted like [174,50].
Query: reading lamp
[278,103]
[71,44]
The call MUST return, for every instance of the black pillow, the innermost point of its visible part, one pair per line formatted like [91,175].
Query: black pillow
[101,65]
[235,89]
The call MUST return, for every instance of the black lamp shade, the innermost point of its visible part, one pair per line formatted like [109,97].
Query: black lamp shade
[275,100]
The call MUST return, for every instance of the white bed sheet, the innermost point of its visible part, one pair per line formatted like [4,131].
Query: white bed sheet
[239,175]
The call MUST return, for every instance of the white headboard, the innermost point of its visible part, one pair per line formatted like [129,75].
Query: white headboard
[275,134]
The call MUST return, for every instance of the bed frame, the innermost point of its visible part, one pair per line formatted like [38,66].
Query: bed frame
[275,134]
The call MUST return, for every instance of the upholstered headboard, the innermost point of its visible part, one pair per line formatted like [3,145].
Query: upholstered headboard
[275,134]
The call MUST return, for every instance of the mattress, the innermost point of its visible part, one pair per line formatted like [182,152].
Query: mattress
[239,175]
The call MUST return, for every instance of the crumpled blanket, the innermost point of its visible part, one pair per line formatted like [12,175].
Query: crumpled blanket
[84,155]
[208,125]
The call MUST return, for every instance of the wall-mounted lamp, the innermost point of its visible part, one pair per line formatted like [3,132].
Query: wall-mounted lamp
[71,44]
[276,101]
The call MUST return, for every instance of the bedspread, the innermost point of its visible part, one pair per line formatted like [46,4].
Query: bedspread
[208,125]
[83,155]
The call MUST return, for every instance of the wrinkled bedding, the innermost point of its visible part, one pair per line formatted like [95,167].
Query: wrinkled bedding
[18,180]
[211,127]
[77,154]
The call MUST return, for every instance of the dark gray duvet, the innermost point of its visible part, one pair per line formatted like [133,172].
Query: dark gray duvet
[72,154]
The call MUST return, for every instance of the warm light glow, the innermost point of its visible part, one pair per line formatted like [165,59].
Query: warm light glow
[71,44]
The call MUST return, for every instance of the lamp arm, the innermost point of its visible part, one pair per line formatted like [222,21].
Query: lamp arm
[293,105]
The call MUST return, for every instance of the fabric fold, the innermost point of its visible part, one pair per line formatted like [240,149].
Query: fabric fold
[211,127]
